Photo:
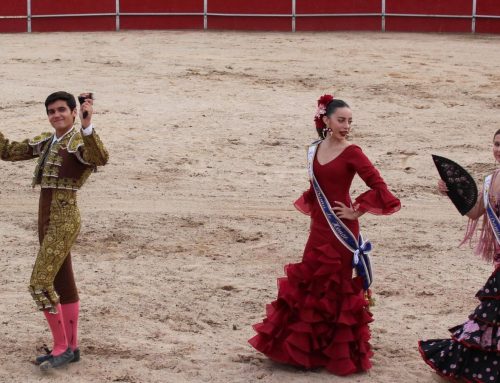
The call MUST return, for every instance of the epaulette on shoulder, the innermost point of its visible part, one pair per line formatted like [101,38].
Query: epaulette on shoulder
[40,138]
[75,142]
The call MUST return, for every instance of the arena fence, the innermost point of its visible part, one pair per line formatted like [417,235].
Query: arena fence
[462,16]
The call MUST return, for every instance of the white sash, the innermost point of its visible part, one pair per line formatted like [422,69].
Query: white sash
[359,247]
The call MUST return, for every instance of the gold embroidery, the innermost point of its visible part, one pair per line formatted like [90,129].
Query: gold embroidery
[75,142]
[15,151]
[40,138]
[50,163]
[54,182]
[37,174]
[63,229]
[94,151]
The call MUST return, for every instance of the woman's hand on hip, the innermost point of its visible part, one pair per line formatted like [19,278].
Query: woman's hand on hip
[346,212]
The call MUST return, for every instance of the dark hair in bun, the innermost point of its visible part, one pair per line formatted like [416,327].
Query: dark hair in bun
[327,105]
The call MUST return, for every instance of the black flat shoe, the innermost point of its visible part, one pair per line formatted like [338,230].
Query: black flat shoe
[57,361]
[42,358]
[76,355]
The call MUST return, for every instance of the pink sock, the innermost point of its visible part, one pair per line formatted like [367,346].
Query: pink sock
[70,313]
[56,325]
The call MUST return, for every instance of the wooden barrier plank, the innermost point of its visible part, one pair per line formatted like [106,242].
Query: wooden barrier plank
[427,24]
[488,25]
[163,6]
[338,6]
[13,8]
[429,7]
[488,7]
[58,7]
[252,7]
[161,22]
[247,23]
[74,24]
[338,23]
[13,25]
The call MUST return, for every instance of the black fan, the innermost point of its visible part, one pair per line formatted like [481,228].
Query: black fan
[462,188]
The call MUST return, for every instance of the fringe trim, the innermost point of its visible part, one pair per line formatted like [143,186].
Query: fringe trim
[486,246]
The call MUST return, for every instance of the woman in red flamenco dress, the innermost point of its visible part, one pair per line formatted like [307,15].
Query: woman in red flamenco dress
[321,315]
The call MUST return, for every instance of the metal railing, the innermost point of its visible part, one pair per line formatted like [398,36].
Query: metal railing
[294,15]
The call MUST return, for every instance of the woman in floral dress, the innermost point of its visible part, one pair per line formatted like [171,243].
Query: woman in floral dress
[472,354]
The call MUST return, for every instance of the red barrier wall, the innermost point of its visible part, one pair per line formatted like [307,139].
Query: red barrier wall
[275,7]
[13,8]
[429,24]
[338,6]
[488,8]
[338,23]
[81,23]
[250,23]
[161,22]
[430,7]
[274,15]
[151,6]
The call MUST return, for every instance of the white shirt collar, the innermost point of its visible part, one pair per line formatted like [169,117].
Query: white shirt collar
[54,139]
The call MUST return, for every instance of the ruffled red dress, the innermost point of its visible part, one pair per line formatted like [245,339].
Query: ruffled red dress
[321,316]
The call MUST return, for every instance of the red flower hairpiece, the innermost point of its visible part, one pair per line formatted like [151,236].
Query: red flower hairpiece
[323,102]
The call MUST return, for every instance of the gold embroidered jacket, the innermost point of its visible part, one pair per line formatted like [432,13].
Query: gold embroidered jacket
[64,164]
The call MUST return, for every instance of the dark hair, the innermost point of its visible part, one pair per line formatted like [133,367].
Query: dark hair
[330,109]
[496,134]
[64,96]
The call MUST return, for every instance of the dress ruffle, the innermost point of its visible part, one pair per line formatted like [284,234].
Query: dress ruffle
[491,290]
[376,201]
[305,202]
[477,335]
[473,352]
[379,201]
[453,360]
[320,319]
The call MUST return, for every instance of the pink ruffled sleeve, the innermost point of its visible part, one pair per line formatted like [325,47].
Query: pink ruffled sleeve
[304,203]
[377,200]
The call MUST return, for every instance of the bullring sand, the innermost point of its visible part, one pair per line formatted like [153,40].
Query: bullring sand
[188,227]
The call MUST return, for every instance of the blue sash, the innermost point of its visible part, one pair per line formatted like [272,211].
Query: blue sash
[360,248]
[492,217]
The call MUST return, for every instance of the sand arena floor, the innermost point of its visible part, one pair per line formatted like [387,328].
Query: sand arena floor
[187,228]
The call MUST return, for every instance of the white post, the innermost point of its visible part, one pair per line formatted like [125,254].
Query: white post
[474,11]
[117,9]
[294,11]
[383,15]
[205,16]
[28,19]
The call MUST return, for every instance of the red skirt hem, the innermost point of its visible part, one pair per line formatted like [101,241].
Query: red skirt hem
[320,318]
